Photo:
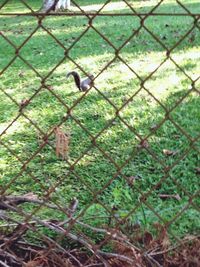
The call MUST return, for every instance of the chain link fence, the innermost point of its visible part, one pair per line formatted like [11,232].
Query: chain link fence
[108,176]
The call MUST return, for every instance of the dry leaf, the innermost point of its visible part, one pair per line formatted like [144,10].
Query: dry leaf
[147,238]
[62,143]
[131,179]
[190,237]
[123,249]
[165,196]
[50,87]
[153,127]
[21,74]
[34,263]
[168,152]
[144,144]
[163,237]
[192,38]
[23,103]
[176,136]
[165,242]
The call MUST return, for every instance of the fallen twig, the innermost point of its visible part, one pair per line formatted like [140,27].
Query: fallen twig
[93,265]
[10,257]
[17,200]
[172,247]
[64,250]
[9,200]
[57,228]
[165,196]
[4,264]
[151,260]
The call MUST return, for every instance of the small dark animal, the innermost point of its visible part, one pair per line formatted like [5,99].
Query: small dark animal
[82,85]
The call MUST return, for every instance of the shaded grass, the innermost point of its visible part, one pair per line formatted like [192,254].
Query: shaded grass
[119,140]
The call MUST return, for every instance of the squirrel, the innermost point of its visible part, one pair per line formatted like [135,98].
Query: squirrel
[82,85]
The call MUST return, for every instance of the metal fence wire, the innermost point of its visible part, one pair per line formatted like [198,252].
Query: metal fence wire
[108,176]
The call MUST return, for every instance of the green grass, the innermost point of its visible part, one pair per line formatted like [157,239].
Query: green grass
[118,139]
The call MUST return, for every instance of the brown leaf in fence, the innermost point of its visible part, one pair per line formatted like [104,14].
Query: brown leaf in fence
[168,152]
[23,103]
[62,143]
[143,144]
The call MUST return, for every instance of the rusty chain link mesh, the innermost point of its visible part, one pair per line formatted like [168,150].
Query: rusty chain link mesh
[61,205]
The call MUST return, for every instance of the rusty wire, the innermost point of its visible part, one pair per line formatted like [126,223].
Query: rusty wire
[82,238]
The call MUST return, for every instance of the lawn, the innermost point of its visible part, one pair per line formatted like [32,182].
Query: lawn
[165,111]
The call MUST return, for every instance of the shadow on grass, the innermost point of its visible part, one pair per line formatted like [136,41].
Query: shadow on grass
[94,170]
[116,29]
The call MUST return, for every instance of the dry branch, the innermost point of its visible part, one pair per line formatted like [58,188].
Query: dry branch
[28,198]
[101,255]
